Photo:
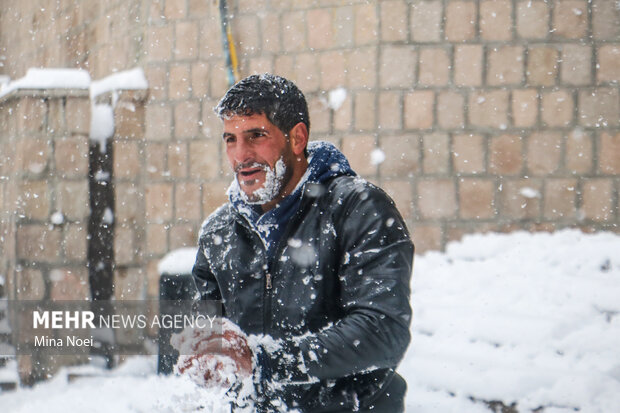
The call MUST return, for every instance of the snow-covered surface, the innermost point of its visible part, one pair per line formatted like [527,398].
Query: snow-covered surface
[133,79]
[179,261]
[101,124]
[49,79]
[525,318]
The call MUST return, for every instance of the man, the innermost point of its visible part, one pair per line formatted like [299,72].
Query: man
[313,260]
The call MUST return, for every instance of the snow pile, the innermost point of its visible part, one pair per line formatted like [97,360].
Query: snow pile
[530,319]
[179,261]
[522,318]
[49,79]
[133,79]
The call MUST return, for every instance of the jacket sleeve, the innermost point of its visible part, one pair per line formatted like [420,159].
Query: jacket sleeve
[374,278]
[203,277]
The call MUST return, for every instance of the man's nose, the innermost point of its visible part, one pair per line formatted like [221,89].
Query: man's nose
[242,151]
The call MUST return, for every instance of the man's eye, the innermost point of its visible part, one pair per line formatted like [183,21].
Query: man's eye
[229,139]
[258,134]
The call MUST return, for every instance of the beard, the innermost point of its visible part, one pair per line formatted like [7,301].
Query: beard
[276,179]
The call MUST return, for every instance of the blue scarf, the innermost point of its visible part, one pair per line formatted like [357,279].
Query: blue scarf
[325,162]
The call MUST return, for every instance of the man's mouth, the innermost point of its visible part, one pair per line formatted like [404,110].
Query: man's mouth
[250,173]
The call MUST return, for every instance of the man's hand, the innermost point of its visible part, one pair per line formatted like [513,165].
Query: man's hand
[217,357]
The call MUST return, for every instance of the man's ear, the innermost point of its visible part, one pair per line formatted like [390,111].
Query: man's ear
[299,138]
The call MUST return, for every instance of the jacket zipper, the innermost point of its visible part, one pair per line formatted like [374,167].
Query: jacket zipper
[268,285]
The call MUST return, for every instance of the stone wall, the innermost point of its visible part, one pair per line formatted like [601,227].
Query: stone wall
[492,114]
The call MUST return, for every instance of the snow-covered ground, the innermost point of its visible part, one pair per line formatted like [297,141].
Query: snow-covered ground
[523,318]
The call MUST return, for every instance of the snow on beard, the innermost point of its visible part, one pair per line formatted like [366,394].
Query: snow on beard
[274,180]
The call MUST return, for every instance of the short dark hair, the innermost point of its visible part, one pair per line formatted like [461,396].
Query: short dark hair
[279,99]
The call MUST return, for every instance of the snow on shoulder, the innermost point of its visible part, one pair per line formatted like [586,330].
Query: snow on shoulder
[179,261]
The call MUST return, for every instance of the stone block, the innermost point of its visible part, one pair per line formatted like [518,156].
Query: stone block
[557,108]
[450,110]
[333,70]
[560,199]
[128,203]
[124,246]
[77,112]
[204,159]
[158,121]
[468,65]
[609,153]
[343,117]
[159,43]
[390,110]
[579,155]
[186,118]
[212,126]
[127,162]
[178,161]
[293,29]
[344,26]
[427,237]
[476,198]
[365,110]
[402,156]
[605,20]
[366,24]
[158,198]
[358,150]
[246,34]
[308,72]
[187,199]
[39,243]
[401,193]
[31,111]
[320,29]
[33,201]
[542,66]
[129,120]
[436,154]
[129,284]
[175,9]
[33,156]
[468,154]
[532,19]
[505,66]
[570,19]
[425,21]
[156,239]
[56,123]
[74,242]
[576,64]
[544,151]
[419,109]
[210,41]
[506,155]
[608,68]
[186,40]
[73,199]
[182,236]
[460,20]
[599,107]
[520,199]
[200,79]
[597,194]
[155,160]
[320,114]
[496,20]
[436,198]
[362,68]
[30,284]
[489,109]
[524,107]
[156,76]
[394,25]
[213,196]
[69,284]
[434,67]
[179,83]
[397,66]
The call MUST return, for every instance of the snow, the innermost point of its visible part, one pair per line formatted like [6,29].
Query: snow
[49,79]
[101,124]
[521,318]
[179,261]
[133,79]
[57,218]
[336,98]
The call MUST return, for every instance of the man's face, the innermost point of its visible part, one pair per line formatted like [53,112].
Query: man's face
[260,155]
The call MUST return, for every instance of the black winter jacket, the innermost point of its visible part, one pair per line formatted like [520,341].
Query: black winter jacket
[337,293]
